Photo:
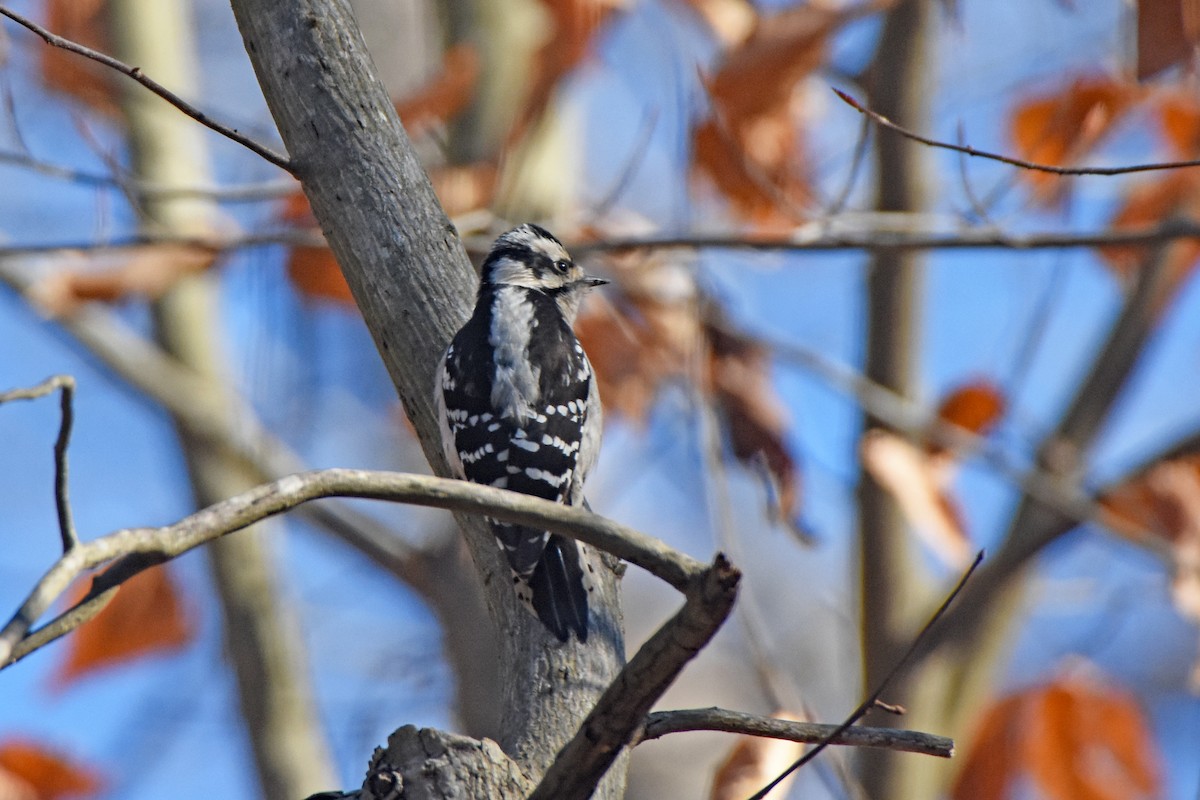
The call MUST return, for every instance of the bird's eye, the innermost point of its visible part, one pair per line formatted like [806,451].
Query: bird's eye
[563,266]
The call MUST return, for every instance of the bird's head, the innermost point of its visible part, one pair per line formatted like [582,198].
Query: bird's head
[530,256]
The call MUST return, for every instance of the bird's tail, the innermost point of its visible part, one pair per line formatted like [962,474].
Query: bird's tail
[559,592]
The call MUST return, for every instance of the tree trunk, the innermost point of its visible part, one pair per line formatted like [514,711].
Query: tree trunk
[262,642]
[889,582]
[413,283]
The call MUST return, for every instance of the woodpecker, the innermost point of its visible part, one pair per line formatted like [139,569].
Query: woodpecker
[519,409]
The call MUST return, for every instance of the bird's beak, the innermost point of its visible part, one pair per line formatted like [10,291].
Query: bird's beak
[591,281]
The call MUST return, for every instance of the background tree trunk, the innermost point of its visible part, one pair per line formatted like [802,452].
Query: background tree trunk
[262,641]
[891,586]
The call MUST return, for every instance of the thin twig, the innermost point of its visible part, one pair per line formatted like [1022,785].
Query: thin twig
[139,548]
[154,86]
[62,502]
[236,193]
[294,238]
[660,723]
[869,703]
[622,709]
[1010,160]
[856,161]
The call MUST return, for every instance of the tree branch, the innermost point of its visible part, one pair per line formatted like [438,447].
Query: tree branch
[233,193]
[816,238]
[884,122]
[140,548]
[62,502]
[154,86]
[896,669]
[660,723]
[622,708]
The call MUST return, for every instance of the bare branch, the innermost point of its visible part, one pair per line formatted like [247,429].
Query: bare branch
[660,723]
[140,548]
[884,122]
[234,193]
[154,86]
[869,703]
[816,238]
[66,385]
[622,708]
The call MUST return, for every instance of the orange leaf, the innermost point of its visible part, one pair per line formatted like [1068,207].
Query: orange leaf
[1061,127]
[975,406]
[753,762]
[573,23]
[43,775]
[144,271]
[1174,194]
[1076,738]
[446,95]
[86,22]
[992,764]
[1166,34]
[146,616]
[919,482]
[749,147]
[1179,117]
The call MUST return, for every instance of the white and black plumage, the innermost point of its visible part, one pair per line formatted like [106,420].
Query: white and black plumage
[519,409]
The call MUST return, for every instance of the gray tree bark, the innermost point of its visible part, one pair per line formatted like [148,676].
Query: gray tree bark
[889,586]
[413,283]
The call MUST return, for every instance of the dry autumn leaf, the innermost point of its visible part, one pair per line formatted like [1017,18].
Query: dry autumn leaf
[1061,127]
[753,762]
[749,148]
[654,332]
[572,24]
[85,22]
[1173,195]
[739,375]
[1167,33]
[1179,119]
[147,616]
[1165,501]
[30,771]
[446,95]
[975,407]
[919,481]
[142,271]
[1076,738]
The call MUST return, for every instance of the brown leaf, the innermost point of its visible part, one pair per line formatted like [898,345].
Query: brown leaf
[85,22]
[146,617]
[993,762]
[1179,118]
[446,95]
[753,762]
[750,146]
[1167,33]
[919,481]
[1076,738]
[1157,500]
[1061,127]
[1175,194]
[739,375]
[36,773]
[976,407]
[573,23]
[143,271]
